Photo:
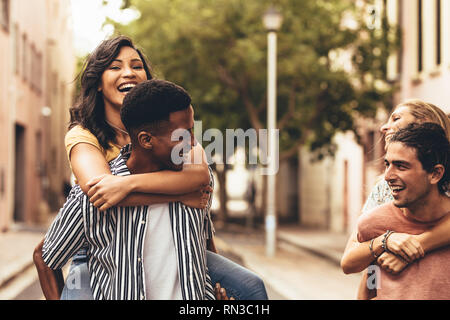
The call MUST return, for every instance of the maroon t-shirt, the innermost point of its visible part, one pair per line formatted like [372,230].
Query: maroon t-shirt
[425,279]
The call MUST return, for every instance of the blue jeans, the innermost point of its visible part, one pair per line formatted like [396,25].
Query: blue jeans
[240,283]
[77,286]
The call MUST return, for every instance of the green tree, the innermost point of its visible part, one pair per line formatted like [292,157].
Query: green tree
[216,49]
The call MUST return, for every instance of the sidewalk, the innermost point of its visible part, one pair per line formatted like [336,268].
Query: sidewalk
[16,251]
[325,244]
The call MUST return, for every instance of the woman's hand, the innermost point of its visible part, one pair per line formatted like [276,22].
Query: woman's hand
[221,293]
[406,246]
[391,263]
[198,199]
[107,190]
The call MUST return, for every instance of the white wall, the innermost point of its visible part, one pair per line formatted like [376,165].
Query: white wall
[321,186]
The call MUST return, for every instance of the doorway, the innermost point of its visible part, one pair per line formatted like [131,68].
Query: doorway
[19,175]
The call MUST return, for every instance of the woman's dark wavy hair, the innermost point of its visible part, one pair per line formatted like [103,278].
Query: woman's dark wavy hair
[89,111]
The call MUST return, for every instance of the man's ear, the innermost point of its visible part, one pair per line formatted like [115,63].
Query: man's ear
[437,173]
[145,140]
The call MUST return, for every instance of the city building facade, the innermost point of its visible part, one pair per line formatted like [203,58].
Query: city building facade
[36,88]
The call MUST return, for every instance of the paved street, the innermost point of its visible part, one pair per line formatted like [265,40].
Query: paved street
[24,287]
[293,274]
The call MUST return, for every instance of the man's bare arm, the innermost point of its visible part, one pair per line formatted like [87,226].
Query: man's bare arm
[52,281]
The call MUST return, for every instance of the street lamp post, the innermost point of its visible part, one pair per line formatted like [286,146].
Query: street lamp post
[272,21]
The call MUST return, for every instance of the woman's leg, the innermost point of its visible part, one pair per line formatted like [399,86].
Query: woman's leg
[240,283]
[77,285]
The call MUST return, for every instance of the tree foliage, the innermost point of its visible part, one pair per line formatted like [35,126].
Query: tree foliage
[328,73]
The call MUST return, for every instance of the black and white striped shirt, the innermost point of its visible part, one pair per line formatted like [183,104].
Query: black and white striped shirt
[115,238]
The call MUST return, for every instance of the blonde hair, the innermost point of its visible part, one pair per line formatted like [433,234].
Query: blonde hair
[427,112]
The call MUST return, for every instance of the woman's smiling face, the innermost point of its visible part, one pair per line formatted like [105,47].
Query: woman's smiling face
[400,118]
[126,70]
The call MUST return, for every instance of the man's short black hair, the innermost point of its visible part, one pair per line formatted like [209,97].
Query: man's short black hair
[150,103]
[432,146]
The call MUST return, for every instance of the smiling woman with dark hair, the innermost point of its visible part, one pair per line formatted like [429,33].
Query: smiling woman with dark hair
[90,112]
[95,138]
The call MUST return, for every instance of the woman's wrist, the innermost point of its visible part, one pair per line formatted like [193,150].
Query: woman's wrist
[131,184]
[423,239]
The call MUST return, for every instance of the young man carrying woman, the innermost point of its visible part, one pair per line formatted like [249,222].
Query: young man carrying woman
[95,137]
[147,252]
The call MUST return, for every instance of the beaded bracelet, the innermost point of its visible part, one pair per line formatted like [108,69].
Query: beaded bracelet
[384,241]
[371,249]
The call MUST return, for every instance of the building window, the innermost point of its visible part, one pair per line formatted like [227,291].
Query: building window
[32,66]
[419,36]
[39,72]
[399,24]
[33,73]
[438,32]
[16,56]
[2,182]
[4,14]
[40,169]
[55,86]
[24,52]
[393,17]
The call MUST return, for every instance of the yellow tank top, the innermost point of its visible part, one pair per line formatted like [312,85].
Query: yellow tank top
[78,134]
